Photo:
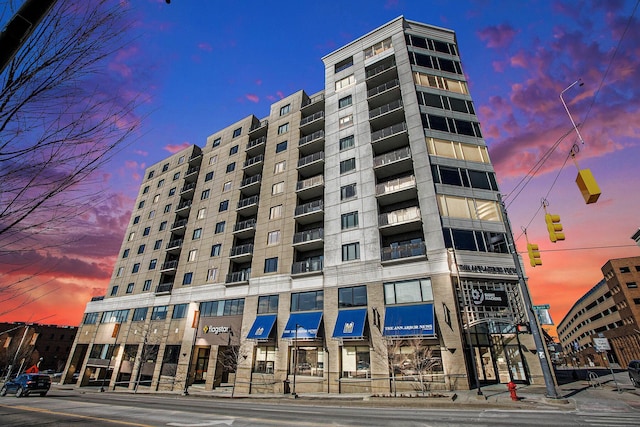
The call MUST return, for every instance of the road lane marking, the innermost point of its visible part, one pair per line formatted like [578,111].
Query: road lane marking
[67,414]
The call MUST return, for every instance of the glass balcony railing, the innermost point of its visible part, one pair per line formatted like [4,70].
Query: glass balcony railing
[383,88]
[307,266]
[238,276]
[245,225]
[403,251]
[256,142]
[306,208]
[311,158]
[309,235]
[243,203]
[310,182]
[394,185]
[241,250]
[400,216]
[397,104]
[253,160]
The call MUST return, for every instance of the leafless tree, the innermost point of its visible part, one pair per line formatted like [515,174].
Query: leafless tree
[229,359]
[63,116]
[422,361]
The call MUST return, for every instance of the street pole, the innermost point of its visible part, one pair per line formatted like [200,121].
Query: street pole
[295,361]
[533,320]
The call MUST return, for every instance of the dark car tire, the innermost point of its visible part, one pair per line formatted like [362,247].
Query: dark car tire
[633,381]
[3,391]
[19,392]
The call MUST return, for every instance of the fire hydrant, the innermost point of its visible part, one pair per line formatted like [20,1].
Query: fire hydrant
[512,390]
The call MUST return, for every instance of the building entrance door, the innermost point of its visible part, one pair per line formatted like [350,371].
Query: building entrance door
[485,364]
[202,364]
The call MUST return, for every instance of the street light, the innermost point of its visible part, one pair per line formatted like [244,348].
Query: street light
[295,361]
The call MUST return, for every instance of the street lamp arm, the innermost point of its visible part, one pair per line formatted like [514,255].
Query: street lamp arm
[579,81]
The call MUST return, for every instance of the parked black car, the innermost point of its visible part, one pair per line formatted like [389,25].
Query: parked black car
[26,384]
[634,372]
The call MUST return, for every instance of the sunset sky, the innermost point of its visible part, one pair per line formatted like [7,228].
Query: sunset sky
[203,65]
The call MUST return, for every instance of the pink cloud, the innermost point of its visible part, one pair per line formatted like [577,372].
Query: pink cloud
[174,148]
[252,97]
[131,164]
[141,152]
[205,46]
[280,94]
[499,36]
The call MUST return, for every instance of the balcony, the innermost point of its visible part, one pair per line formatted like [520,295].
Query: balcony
[311,143]
[399,252]
[184,207]
[238,276]
[251,185]
[309,212]
[309,240]
[387,114]
[187,189]
[192,172]
[241,253]
[253,164]
[392,163]
[311,265]
[380,69]
[244,229]
[384,93]
[164,288]
[396,190]
[256,145]
[258,126]
[174,245]
[313,104]
[313,122]
[248,205]
[390,138]
[195,159]
[310,188]
[169,266]
[179,226]
[400,221]
[313,164]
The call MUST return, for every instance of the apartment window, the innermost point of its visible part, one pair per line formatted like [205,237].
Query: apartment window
[215,250]
[197,233]
[233,150]
[343,65]
[632,285]
[131,236]
[160,183]
[120,272]
[227,186]
[345,82]
[280,167]
[351,251]
[172,191]
[231,167]
[215,143]
[141,249]
[224,205]
[273,237]
[355,296]
[181,160]
[125,254]
[625,270]
[205,194]
[167,208]
[163,226]
[136,219]
[130,288]
[136,267]
[268,304]
[237,132]
[345,102]
[347,165]
[271,265]
[165,167]
[193,253]
[345,121]
[230,307]
[416,290]
[349,220]
[140,314]
[157,245]
[281,146]
[220,227]
[212,273]
[146,287]
[145,190]
[186,279]
[378,48]
[156,198]
[201,213]
[176,176]
[146,231]
[141,205]
[159,313]
[152,264]
[307,301]
[275,212]
[348,191]
[152,214]
[114,291]
[277,188]
[213,160]
[208,176]
[283,128]
[285,109]
[151,174]
[179,311]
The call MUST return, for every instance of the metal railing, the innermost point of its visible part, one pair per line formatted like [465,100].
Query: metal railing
[383,88]
[379,69]
[313,100]
[394,105]
[253,160]
[306,139]
[251,180]
[257,141]
[175,243]
[238,276]
[309,235]
[169,265]
[394,185]
[388,131]
[394,156]
[179,223]
[259,125]
[310,182]
[306,208]
[311,158]
[185,204]
[312,118]
[164,287]
[399,216]
[242,203]
[245,225]
[403,251]
[307,266]
[241,250]
[192,170]
[187,187]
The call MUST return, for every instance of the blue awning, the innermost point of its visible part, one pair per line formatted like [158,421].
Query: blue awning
[307,324]
[350,323]
[262,327]
[408,320]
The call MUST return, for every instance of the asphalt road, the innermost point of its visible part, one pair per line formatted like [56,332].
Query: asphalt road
[71,408]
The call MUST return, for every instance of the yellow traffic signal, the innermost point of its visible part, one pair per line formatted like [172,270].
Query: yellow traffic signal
[554,227]
[534,254]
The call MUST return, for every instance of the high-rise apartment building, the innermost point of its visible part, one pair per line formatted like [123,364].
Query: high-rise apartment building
[351,239]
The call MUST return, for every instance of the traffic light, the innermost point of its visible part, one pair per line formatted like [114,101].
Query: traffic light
[554,227]
[534,254]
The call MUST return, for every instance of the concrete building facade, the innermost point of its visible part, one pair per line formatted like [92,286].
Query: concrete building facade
[349,240]
[611,309]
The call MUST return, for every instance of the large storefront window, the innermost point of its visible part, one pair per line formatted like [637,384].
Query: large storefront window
[415,360]
[310,361]
[170,360]
[355,362]
[264,360]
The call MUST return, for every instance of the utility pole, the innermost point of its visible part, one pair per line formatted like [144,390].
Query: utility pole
[533,320]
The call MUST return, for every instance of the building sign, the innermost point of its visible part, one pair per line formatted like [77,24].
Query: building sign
[210,329]
[489,298]
[601,344]
[487,269]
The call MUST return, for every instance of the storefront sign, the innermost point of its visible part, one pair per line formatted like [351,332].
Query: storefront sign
[486,269]
[489,298]
[210,329]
